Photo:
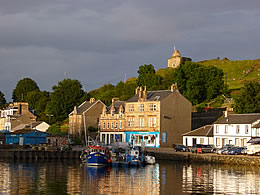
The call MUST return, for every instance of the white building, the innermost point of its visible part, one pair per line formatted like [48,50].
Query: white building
[202,135]
[236,129]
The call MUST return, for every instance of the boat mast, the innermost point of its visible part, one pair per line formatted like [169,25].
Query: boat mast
[85,130]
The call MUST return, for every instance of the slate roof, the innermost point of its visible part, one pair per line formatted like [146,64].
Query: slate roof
[23,131]
[239,119]
[116,105]
[206,130]
[84,106]
[152,96]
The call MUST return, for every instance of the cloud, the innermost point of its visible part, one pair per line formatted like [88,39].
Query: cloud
[97,41]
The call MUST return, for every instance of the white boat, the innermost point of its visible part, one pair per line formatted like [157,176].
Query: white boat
[149,160]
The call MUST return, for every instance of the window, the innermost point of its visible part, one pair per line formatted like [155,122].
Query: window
[131,122]
[218,141]
[120,125]
[141,107]
[104,125]
[257,132]
[152,107]
[111,138]
[112,125]
[141,122]
[131,108]
[121,114]
[246,129]
[237,141]
[152,122]
[112,113]
[226,128]
[103,138]
[217,129]
[107,139]
[238,129]
[115,125]
[202,140]
[107,125]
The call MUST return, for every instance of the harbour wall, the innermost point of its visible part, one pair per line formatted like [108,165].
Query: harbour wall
[170,154]
[35,155]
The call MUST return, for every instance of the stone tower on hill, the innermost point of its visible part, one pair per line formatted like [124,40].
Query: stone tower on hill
[175,60]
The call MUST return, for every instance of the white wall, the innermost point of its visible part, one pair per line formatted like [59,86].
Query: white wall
[199,140]
[231,136]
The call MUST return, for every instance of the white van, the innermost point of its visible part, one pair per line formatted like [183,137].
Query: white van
[253,149]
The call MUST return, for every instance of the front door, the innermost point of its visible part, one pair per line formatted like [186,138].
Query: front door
[194,141]
[21,141]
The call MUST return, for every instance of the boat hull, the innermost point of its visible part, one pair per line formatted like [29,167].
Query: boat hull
[97,159]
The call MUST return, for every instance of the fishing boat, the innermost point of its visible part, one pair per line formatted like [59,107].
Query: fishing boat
[96,155]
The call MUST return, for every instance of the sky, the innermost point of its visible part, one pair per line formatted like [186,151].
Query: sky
[98,41]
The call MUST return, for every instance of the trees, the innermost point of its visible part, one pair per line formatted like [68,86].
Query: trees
[2,99]
[148,78]
[64,97]
[248,99]
[197,82]
[23,87]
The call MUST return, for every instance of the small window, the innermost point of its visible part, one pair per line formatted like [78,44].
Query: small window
[107,125]
[112,125]
[238,129]
[246,129]
[141,107]
[217,129]
[226,129]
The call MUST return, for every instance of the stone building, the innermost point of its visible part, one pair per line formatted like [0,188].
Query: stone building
[112,122]
[151,118]
[16,114]
[176,59]
[84,116]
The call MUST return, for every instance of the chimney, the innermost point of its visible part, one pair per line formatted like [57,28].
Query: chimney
[174,87]
[226,114]
[137,90]
[92,100]
[140,93]
[145,94]
[114,100]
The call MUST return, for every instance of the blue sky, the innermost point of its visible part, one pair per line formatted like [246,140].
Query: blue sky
[98,41]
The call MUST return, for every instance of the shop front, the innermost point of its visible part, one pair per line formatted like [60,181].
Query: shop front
[150,139]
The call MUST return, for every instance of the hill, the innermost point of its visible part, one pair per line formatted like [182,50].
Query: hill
[237,72]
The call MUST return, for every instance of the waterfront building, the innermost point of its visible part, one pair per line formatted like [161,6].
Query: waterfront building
[23,137]
[202,135]
[150,118]
[112,122]
[16,114]
[236,129]
[85,116]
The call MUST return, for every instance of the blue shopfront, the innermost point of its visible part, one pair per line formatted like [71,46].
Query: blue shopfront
[150,139]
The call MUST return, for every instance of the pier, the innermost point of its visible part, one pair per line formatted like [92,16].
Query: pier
[35,155]
[170,154]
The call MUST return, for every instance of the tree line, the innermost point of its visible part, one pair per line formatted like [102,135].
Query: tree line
[198,83]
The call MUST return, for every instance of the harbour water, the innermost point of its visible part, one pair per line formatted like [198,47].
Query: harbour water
[165,177]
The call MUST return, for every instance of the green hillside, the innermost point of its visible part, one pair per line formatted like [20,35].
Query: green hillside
[238,72]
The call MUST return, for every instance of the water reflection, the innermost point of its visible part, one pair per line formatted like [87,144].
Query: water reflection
[70,177]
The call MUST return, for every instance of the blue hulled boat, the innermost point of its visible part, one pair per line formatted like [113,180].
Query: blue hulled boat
[97,156]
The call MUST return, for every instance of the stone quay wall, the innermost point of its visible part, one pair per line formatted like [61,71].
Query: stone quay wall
[35,155]
[170,154]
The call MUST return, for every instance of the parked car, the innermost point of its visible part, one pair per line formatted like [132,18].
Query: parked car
[253,149]
[224,150]
[235,150]
[244,150]
[200,148]
[180,148]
